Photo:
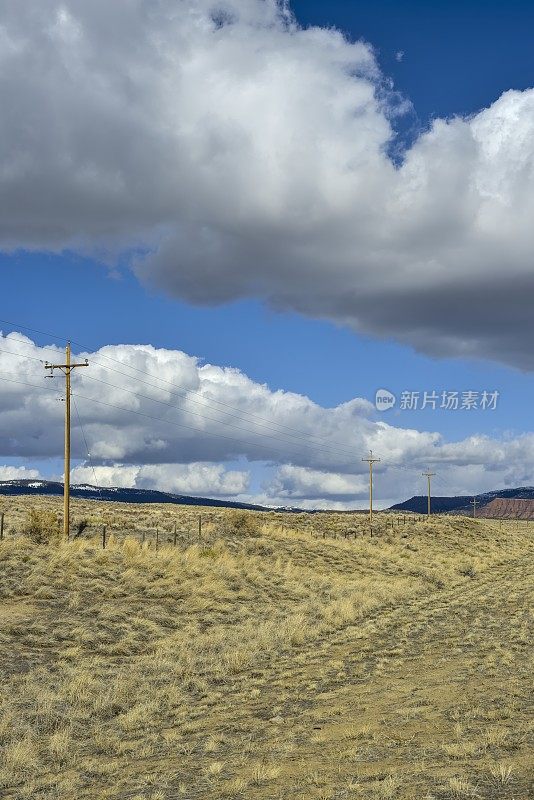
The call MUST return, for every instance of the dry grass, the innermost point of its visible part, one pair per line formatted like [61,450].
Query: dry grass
[265,661]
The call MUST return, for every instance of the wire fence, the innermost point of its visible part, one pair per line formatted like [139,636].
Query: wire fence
[206,529]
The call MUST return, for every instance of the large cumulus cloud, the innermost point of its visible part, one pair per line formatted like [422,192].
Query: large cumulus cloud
[157,418]
[142,405]
[232,153]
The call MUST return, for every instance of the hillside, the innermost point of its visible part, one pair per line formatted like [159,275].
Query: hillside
[267,662]
[114,494]
[418,504]
[506,508]
[462,504]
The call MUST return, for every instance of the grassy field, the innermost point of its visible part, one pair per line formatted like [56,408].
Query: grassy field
[267,659]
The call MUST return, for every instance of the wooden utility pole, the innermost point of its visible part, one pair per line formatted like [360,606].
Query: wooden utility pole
[474,504]
[370,460]
[428,476]
[66,369]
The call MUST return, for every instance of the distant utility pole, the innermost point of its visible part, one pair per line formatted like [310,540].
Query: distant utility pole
[370,460]
[66,369]
[474,504]
[428,475]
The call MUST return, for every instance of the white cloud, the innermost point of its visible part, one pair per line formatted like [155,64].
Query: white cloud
[142,405]
[198,479]
[157,418]
[300,483]
[8,473]
[246,156]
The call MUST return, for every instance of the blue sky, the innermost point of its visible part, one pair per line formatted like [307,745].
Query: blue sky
[446,59]
[457,56]
[329,363]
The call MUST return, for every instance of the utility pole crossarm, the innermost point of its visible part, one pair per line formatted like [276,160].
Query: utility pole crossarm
[66,369]
[66,366]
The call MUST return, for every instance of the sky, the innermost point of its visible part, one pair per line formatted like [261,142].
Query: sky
[251,217]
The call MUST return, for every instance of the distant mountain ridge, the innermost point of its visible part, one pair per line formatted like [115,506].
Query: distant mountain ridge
[463,504]
[499,503]
[119,495]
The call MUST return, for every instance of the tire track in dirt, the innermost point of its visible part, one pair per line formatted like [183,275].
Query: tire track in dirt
[401,672]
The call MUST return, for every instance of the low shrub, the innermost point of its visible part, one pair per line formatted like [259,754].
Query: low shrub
[41,527]
[242,523]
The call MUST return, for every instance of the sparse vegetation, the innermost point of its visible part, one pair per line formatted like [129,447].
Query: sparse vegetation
[261,660]
[41,526]
[241,523]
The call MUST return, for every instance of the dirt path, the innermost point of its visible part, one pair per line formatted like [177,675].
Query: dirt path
[385,709]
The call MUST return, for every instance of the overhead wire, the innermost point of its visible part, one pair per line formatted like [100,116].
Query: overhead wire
[157,419]
[330,450]
[141,414]
[84,438]
[204,401]
[314,440]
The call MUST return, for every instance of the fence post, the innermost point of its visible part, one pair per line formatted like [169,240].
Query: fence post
[1,526]
[199,526]
[175,534]
[157,538]
[143,538]
[103,537]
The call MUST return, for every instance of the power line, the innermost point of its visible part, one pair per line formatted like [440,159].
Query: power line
[245,416]
[84,438]
[447,484]
[332,448]
[296,434]
[329,449]
[24,355]
[142,372]
[31,342]
[338,448]
[264,422]
[241,442]
[194,429]
[182,425]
